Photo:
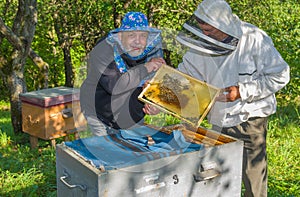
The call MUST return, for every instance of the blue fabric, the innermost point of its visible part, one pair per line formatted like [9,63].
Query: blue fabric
[163,142]
[130,147]
[134,21]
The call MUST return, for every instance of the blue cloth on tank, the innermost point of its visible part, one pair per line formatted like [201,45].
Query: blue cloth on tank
[130,147]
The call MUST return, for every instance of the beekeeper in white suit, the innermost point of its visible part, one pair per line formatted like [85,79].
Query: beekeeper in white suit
[242,60]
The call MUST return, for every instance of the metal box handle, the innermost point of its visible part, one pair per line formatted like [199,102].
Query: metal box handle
[150,179]
[66,175]
[150,187]
[208,171]
[67,113]
[206,175]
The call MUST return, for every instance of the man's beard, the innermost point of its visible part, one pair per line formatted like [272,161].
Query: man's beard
[134,52]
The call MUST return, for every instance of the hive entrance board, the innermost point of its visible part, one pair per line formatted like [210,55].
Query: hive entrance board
[180,95]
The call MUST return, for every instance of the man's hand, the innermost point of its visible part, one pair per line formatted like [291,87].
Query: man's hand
[158,59]
[154,64]
[229,94]
[150,109]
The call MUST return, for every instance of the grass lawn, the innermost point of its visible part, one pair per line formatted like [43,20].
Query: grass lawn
[26,172]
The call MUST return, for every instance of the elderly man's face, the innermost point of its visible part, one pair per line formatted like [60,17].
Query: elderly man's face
[134,42]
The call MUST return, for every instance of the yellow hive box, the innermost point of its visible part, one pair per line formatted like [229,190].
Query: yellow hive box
[51,113]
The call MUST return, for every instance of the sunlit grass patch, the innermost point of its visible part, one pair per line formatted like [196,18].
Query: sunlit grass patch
[283,151]
[4,139]
[21,182]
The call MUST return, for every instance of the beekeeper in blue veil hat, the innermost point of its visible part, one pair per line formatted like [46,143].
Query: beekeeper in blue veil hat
[135,22]
[117,66]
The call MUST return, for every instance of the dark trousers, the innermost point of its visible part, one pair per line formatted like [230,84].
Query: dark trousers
[253,133]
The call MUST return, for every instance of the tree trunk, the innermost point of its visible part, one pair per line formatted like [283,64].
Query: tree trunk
[43,66]
[20,37]
[65,40]
[68,64]
[16,85]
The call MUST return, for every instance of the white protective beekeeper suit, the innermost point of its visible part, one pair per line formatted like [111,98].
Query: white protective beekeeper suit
[248,59]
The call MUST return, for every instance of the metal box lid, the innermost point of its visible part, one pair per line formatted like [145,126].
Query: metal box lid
[180,95]
[51,96]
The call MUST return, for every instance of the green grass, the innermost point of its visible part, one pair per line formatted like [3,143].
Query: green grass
[26,172]
[283,151]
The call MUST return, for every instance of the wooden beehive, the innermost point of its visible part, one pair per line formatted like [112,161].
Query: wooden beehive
[52,113]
